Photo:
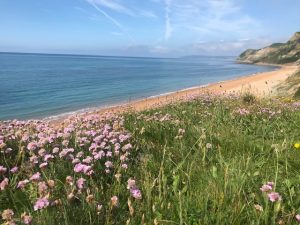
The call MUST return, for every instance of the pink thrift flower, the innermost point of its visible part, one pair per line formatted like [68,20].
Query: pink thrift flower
[266,188]
[48,157]
[108,164]
[127,147]
[32,146]
[26,219]
[41,204]
[55,150]
[297,217]
[114,201]
[14,169]
[136,193]
[35,177]
[43,165]
[2,170]
[4,184]
[124,166]
[80,183]
[22,184]
[130,184]
[274,196]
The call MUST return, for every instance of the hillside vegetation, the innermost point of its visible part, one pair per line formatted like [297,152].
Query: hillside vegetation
[278,53]
[209,160]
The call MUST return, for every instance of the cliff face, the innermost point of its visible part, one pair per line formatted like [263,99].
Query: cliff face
[278,53]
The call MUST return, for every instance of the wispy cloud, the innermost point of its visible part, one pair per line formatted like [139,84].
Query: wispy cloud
[206,17]
[110,18]
[117,6]
[168,27]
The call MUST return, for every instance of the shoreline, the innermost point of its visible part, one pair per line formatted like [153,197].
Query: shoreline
[261,84]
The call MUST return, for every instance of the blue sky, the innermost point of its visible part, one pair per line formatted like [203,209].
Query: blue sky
[145,27]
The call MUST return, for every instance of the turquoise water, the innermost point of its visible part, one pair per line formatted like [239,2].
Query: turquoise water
[41,85]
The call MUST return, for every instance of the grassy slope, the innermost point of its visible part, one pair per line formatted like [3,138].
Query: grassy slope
[184,182]
[183,179]
[291,86]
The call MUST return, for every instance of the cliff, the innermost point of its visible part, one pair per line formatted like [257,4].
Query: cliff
[277,53]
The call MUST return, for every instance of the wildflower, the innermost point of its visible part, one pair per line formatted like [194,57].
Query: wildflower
[297,217]
[127,147]
[297,145]
[14,169]
[266,188]
[274,196]
[4,184]
[43,165]
[35,177]
[108,164]
[99,207]
[2,170]
[114,201]
[80,183]
[48,157]
[32,146]
[136,193]
[7,214]
[55,150]
[89,198]
[124,166]
[69,180]
[258,207]
[42,187]
[22,184]
[41,204]
[51,183]
[88,160]
[208,145]
[26,219]
[130,184]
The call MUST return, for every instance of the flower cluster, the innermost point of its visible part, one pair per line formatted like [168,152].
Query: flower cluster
[85,150]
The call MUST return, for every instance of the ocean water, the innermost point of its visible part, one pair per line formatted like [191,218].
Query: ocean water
[35,86]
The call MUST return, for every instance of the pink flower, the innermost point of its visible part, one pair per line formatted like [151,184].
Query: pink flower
[297,217]
[48,157]
[266,188]
[274,196]
[127,147]
[130,184]
[2,170]
[4,184]
[108,164]
[42,187]
[55,150]
[35,177]
[136,193]
[41,204]
[114,201]
[22,184]
[124,166]
[69,180]
[80,183]
[32,146]
[26,219]
[43,165]
[14,169]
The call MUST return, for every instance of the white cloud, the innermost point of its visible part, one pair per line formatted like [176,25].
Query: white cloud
[168,26]
[208,17]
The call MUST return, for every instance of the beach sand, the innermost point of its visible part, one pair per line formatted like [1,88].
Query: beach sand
[261,84]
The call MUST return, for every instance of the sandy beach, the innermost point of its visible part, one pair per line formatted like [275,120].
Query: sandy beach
[261,84]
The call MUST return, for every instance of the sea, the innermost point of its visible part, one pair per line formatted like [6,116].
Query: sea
[38,86]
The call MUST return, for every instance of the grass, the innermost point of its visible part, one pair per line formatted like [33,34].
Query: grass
[196,162]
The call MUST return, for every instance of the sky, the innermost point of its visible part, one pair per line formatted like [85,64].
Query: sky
[148,28]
